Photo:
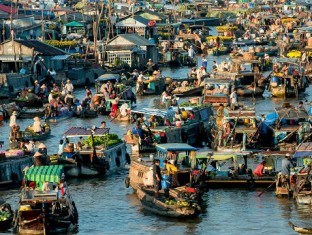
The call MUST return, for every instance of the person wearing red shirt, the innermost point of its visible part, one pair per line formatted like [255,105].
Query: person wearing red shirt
[259,169]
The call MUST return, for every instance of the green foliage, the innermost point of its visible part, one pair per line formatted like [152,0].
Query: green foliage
[4,215]
[106,140]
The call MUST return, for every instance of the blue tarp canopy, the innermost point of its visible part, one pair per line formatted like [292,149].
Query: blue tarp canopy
[174,147]
[153,112]
[107,77]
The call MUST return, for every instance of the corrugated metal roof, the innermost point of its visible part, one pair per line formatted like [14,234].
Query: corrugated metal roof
[136,39]
[41,47]
[82,131]
[8,9]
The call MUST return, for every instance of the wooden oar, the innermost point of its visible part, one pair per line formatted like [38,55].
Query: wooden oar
[266,189]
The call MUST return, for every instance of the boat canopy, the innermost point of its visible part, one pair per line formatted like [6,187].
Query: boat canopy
[52,174]
[304,150]
[82,131]
[164,148]
[285,60]
[220,156]
[107,77]
[151,112]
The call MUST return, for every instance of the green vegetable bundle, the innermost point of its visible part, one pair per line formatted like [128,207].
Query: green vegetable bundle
[106,140]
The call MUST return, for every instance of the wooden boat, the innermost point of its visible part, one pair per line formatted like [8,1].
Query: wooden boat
[227,171]
[44,210]
[99,158]
[33,103]
[187,133]
[140,169]
[28,134]
[268,51]
[300,230]
[62,114]
[187,91]
[12,164]
[122,119]
[175,208]
[250,91]
[154,87]
[6,216]
[86,114]
[27,113]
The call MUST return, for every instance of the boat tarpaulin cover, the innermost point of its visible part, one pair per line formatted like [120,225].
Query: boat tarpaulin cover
[52,174]
[304,150]
[175,147]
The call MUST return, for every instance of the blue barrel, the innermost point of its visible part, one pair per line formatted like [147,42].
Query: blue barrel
[165,184]
[275,79]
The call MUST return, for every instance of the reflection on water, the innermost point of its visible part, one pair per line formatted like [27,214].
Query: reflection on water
[106,207]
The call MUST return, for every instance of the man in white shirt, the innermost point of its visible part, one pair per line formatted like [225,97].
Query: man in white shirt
[69,87]
[233,99]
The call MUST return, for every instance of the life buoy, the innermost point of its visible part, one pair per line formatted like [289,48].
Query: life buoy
[128,158]
[127,182]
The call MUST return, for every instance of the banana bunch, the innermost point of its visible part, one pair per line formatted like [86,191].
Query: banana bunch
[54,159]
[294,54]
[56,43]
[170,202]
[222,38]
[226,28]
[180,203]
[287,20]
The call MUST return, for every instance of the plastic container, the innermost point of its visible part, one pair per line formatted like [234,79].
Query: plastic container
[165,184]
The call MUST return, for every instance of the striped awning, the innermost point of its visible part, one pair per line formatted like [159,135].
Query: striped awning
[81,131]
[52,174]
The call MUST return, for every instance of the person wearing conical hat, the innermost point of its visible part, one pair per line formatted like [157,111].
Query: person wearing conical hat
[37,159]
[13,126]
[37,125]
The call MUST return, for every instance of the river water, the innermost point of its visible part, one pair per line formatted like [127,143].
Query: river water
[106,207]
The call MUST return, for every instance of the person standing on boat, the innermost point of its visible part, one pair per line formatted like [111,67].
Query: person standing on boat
[150,66]
[13,126]
[233,99]
[69,87]
[259,169]
[103,124]
[37,125]
[286,166]
[172,172]
[204,61]
[157,177]
[61,148]
[191,53]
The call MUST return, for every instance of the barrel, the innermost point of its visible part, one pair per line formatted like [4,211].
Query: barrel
[165,184]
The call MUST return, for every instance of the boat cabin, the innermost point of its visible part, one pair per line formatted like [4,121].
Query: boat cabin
[217,92]
[92,151]
[45,204]
[101,81]
[288,126]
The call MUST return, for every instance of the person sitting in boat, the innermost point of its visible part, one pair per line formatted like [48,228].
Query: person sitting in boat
[124,109]
[177,115]
[22,145]
[37,125]
[30,145]
[43,91]
[88,94]
[191,115]
[167,122]
[184,114]
[193,73]
[150,66]
[259,170]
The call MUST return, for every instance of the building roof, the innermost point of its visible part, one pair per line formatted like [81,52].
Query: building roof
[142,12]
[41,47]
[8,9]
[135,39]
[120,47]
[124,23]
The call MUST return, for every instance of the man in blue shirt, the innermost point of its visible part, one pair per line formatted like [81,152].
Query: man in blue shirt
[286,165]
